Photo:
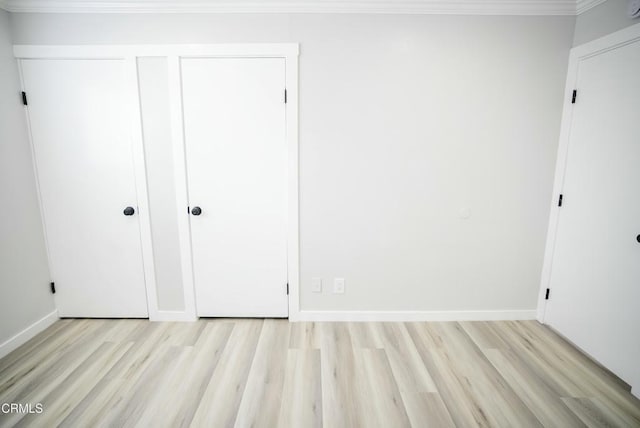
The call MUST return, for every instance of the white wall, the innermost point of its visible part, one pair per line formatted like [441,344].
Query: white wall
[405,121]
[601,20]
[24,275]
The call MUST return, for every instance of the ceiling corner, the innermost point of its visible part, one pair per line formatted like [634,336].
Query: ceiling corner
[584,5]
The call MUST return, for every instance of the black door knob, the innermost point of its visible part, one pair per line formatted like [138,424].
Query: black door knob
[129,211]
[638,238]
[196,211]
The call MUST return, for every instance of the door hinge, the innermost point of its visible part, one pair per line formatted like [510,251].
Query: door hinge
[53,287]
[573,97]
[285,96]
[560,200]
[287,288]
[24,98]
[546,296]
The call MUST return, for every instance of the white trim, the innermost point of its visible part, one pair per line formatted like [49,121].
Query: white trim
[584,5]
[232,50]
[28,333]
[293,207]
[180,178]
[142,194]
[407,316]
[612,41]
[421,7]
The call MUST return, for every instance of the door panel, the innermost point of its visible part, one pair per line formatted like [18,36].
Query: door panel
[234,116]
[595,279]
[78,112]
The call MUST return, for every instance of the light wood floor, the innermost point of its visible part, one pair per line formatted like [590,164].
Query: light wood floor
[219,373]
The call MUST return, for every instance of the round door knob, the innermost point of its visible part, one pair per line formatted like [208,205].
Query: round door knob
[196,211]
[638,238]
[129,211]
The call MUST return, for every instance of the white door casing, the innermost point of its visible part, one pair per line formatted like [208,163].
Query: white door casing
[80,122]
[236,156]
[592,261]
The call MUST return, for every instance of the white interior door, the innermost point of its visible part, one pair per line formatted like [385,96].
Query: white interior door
[79,114]
[234,118]
[595,276]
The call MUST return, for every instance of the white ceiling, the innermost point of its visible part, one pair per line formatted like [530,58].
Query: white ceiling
[452,7]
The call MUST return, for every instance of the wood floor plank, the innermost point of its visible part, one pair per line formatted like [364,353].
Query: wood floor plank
[598,378]
[365,335]
[302,393]
[418,390]
[595,414]
[408,368]
[190,380]
[532,390]
[45,375]
[381,401]
[577,357]
[485,334]
[569,371]
[60,401]
[99,402]
[426,409]
[472,389]
[50,350]
[262,398]
[305,335]
[145,390]
[341,405]
[536,354]
[221,400]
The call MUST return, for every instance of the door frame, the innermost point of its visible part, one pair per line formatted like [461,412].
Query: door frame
[289,52]
[173,53]
[577,54]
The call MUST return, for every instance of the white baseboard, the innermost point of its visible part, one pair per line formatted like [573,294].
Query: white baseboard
[28,333]
[172,316]
[400,316]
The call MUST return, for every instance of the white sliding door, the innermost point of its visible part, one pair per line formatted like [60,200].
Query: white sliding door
[234,122]
[595,271]
[79,114]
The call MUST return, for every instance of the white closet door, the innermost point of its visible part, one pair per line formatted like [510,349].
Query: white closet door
[234,116]
[79,115]
[595,277]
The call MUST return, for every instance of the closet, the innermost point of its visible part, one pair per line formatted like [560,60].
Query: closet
[232,111]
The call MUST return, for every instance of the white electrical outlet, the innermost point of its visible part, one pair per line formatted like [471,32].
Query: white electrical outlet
[316,285]
[338,285]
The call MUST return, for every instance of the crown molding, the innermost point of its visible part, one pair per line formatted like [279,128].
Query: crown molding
[436,7]
[584,5]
